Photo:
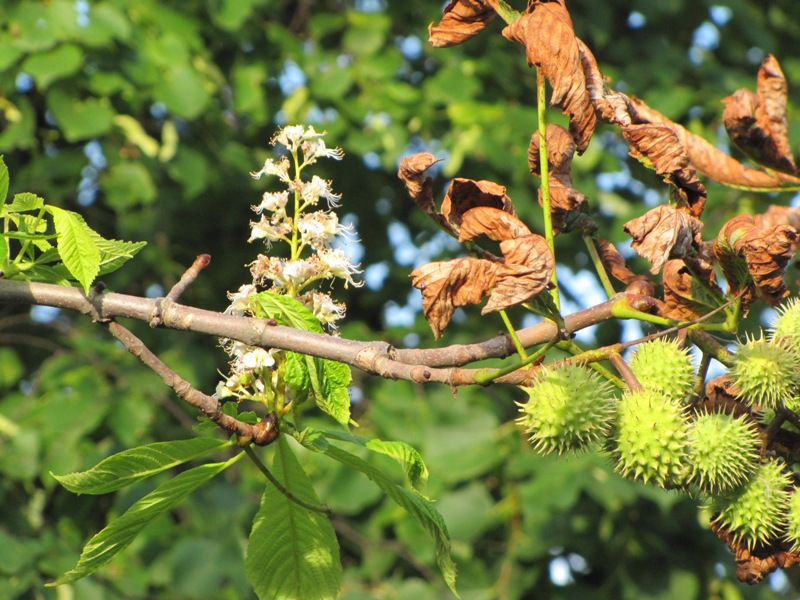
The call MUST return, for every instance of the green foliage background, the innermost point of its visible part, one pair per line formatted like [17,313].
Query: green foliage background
[146,117]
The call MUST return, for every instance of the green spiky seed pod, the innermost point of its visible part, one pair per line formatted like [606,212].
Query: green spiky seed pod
[663,366]
[787,325]
[568,409]
[723,451]
[755,513]
[651,439]
[766,373]
[793,521]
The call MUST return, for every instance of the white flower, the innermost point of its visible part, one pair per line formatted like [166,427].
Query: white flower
[323,307]
[318,228]
[240,300]
[273,201]
[280,168]
[297,272]
[314,149]
[338,265]
[257,358]
[273,230]
[317,188]
[290,136]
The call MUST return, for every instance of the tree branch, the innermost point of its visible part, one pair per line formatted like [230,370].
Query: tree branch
[435,365]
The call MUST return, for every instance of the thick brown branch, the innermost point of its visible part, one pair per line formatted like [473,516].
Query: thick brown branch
[262,433]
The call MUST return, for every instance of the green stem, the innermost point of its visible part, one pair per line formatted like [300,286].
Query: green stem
[26,243]
[508,14]
[486,376]
[599,266]
[573,348]
[279,486]
[512,332]
[544,165]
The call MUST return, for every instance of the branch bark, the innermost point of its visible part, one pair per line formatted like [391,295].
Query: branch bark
[432,365]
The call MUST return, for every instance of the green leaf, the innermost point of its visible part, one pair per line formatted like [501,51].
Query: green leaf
[79,119]
[132,465]
[76,246]
[408,456]
[47,67]
[327,379]
[293,552]
[3,180]
[118,534]
[411,501]
[287,311]
[26,201]
[114,253]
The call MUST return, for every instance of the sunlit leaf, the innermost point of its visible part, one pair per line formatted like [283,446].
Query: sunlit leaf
[76,246]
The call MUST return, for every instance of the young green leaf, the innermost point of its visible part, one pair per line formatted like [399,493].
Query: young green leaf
[287,311]
[411,501]
[118,534]
[3,180]
[25,201]
[76,246]
[293,551]
[413,466]
[129,466]
[114,253]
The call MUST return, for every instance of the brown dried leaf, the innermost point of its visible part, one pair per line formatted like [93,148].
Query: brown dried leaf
[690,289]
[546,32]
[492,222]
[751,256]
[615,263]
[778,215]
[663,232]
[753,565]
[465,194]
[412,172]
[527,271]
[462,20]
[610,108]
[446,285]
[757,123]
[711,161]
[659,147]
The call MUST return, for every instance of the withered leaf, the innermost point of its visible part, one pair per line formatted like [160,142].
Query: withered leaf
[546,32]
[750,255]
[412,172]
[492,222]
[659,146]
[464,194]
[527,271]
[690,289]
[462,20]
[615,263]
[564,199]
[709,160]
[757,123]
[778,215]
[663,232]
[609,107]
[448,284]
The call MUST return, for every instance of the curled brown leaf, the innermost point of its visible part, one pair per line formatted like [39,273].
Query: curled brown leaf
[527,270]
[659,147]
[462,20]
[419,186]
[464,194]
[709,160]
[757,123]
[448,284]
[663,232]
[548,36]
[754,259]
[615,263]
[690,289]
[491,222]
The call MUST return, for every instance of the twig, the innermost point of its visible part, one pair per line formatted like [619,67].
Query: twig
[187,279]
[280,487]
[262,433]
[623,369]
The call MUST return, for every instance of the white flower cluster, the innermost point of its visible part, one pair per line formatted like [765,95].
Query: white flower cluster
[290,216]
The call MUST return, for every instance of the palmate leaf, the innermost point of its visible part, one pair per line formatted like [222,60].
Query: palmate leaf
[118,534]
[132,465]
[411,501]
[76,246]
[328,380]
[293,552]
